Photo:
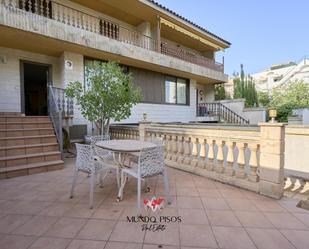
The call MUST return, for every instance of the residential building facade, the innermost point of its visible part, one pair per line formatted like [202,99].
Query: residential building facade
[52,41]
[281,74]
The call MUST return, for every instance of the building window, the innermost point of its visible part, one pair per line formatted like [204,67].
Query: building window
[88,72]
[176,90]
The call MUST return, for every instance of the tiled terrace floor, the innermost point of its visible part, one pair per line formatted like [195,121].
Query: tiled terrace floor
[36,213]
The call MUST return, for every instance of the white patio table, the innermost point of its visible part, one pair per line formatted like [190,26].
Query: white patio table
[123,148]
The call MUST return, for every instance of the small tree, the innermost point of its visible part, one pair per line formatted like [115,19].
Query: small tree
[108,95]
[244,87]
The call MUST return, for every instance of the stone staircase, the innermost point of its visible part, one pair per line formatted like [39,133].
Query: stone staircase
[28,145]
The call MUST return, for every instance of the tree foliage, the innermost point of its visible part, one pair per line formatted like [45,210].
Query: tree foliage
[244,87]
[291,96]
[220,93]
[108,95]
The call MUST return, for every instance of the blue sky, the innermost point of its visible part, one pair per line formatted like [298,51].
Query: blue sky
[262,32]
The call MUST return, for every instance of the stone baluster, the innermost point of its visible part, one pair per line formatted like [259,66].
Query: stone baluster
[220,157]
[202,154]
[47,7]
[229,170]
[23,4]
[175,148]
[195,152]
[165,145]
[211,156]
[181,150]
[240,173]
[187,158]
[254,154]
[30,6]
[169,147]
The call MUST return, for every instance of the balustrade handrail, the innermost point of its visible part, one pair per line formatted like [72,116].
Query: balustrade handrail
[222,111]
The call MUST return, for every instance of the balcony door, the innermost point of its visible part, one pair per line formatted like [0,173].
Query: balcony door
[34,80]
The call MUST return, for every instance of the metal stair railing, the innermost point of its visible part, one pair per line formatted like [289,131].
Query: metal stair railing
[55,114]
[225,113]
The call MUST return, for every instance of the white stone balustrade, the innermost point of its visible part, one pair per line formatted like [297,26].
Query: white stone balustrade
[233,155]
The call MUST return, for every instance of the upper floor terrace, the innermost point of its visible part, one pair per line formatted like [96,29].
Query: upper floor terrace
[149,37]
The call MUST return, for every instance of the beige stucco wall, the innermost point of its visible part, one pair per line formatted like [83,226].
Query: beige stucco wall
[10,75]
[296,150]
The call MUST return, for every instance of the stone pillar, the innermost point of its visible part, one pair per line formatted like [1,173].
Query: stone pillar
[272,159]
[143,125]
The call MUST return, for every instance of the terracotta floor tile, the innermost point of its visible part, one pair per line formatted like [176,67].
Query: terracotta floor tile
[86,244]
[269,206]
[269,238]
[205,192]
[127,232]
[157,246]
[241,204]
[16,241]
[36,226]
[122,245]
[300,239]
[233,238]
[303,217]
[170,236]
[111,212]
[79,211]
[232,193]
[57,209]
[187,191]
[222,218]
[193,216]
[189,202]
[66,227]
[96,229]
[10,222]
[215,203]
[253,219]
[197,235]
[50,243]
[284,221]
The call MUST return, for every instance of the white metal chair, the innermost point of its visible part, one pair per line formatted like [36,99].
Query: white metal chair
[99,152]
[86,163]
[150,163]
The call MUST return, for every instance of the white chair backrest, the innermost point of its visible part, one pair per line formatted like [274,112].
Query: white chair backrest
[158,141]
[151,161]
[85,157]
[99,151]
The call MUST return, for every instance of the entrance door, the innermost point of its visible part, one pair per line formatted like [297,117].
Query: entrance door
[34,88]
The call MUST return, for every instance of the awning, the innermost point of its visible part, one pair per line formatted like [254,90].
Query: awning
[188,33]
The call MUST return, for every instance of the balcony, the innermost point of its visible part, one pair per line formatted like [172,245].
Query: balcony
[19,14]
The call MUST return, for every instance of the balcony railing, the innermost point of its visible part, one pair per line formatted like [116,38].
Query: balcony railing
[97,25]
[189,56]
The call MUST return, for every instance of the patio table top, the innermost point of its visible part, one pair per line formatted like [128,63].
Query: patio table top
[124,145]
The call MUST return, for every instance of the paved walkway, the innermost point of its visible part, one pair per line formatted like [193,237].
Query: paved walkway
[36,213]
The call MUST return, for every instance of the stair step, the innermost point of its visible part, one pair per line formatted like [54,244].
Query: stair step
[25,125]
[24,119]
[27,149]
[29,169]
[10,114]
[24,140]
[25,132]
[29,158]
